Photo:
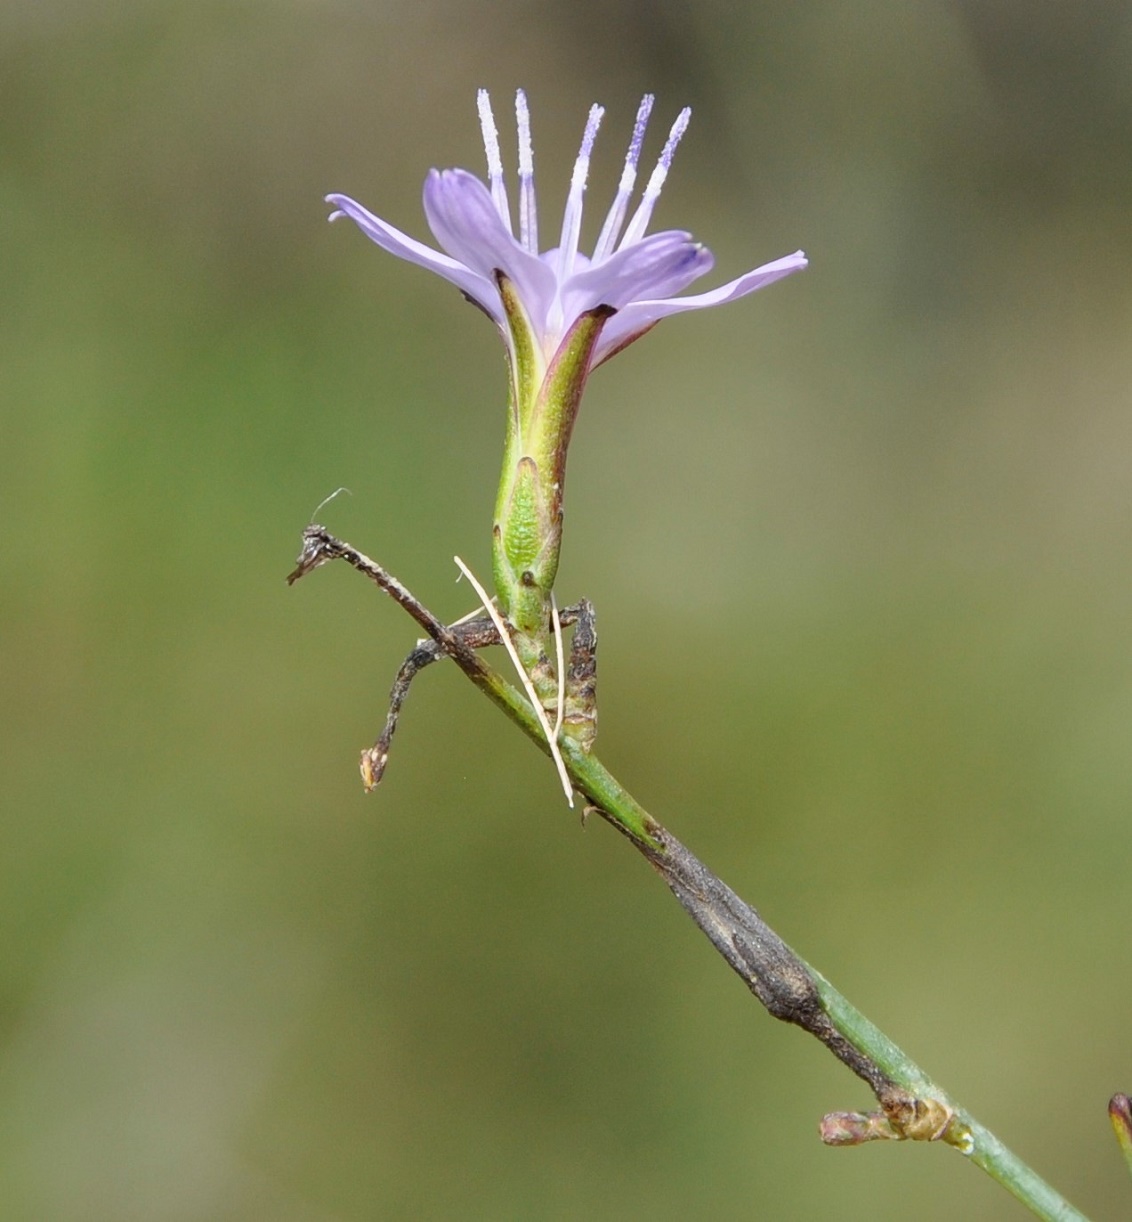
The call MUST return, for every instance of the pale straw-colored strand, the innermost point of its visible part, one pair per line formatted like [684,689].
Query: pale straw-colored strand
[528,686]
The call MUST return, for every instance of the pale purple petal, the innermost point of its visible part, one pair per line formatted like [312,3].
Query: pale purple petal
[656,267]
[462,217]
[638,316]
[479,288]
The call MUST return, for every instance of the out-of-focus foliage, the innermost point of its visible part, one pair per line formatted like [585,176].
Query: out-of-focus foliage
[860,548]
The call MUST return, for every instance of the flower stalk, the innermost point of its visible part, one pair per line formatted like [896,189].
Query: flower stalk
[527,532]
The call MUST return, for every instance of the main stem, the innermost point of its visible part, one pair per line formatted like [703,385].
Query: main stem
[912,1105]
[795,992]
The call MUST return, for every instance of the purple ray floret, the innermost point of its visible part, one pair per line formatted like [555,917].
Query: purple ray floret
[637,275]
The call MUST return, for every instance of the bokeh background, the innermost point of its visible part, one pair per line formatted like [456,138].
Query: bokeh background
[859,546]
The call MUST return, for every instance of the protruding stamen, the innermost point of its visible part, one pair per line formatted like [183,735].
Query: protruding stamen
[494,161]
[528,213]
[611,230]
[572,219]
[641,217]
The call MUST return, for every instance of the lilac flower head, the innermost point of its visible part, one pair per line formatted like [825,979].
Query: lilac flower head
[561,313]
[536,297]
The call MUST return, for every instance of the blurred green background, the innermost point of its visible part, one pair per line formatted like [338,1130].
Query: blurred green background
[859,547]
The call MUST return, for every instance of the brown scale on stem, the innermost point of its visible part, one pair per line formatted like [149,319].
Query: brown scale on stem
[580,717]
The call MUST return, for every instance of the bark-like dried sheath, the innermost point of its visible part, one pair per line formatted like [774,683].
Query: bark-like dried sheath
[770,969]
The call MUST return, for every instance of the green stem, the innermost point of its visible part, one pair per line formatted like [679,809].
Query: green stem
[913,1105]
[986,1150]
[619,808]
